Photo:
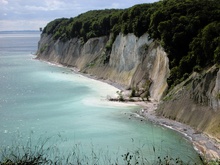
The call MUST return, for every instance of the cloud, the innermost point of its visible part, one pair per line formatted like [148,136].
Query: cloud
[51,5]
[55,5]
[35,8]
[115,5]
[35,12]
[4,2]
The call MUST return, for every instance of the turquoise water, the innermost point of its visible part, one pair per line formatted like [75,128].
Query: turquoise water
[41,100]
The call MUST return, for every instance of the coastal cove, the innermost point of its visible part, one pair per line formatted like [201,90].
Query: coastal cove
[39,100]
[160,50]
[206,146]
[167,52]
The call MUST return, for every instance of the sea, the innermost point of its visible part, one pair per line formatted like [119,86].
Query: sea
[43,104]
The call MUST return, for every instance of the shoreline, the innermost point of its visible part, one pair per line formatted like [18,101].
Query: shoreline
[207,147]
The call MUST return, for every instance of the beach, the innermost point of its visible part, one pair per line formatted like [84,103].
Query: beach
[207,147]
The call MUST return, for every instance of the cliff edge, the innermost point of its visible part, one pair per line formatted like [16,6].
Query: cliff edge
[168,51]
[133,62]
[140,63]
[196,102]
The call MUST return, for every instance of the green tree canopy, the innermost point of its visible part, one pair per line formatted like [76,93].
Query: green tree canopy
[187,29]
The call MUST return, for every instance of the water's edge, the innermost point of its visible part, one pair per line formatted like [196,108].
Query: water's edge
[148,112]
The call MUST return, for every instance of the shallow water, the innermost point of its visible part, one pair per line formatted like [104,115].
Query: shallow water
[41,100]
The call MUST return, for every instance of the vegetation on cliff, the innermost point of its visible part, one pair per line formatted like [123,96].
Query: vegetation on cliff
[189,30]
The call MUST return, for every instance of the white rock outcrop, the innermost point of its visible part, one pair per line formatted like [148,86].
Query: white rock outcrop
[131,62]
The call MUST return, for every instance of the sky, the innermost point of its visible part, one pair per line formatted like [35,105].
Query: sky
[33,14]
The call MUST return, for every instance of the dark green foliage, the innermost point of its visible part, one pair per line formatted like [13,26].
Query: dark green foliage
[120,96]
[189,30]
[56,27]
[97,23]
[209,43]
[133,92]
[90,24]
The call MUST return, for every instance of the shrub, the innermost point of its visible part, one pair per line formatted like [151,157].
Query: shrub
[133,92]
[120,96]
[44,153]
[197,68]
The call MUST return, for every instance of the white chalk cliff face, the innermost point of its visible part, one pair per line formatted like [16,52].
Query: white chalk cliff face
[143,64]
[132,61]
[159,73]
[126,51]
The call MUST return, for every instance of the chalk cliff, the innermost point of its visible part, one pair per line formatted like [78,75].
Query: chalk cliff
[196,102]
[131,62]
[141,63]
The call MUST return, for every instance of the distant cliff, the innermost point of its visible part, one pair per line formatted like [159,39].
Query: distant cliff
[132,62]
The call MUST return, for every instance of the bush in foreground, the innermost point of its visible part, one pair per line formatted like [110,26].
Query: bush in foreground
[43,153]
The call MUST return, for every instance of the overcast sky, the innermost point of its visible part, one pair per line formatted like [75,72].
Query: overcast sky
[32,14]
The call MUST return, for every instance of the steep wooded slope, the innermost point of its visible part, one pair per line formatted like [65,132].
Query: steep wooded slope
[188,30]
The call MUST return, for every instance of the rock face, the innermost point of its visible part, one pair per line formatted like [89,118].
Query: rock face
[196,102]
[131,62]
[72,52]
[142,64]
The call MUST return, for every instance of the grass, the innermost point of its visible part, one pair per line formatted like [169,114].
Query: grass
[43,152]
[41,156]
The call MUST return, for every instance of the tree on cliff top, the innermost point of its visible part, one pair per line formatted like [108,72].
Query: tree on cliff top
[187,29]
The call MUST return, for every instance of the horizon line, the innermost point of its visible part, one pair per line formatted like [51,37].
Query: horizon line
[18,30]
